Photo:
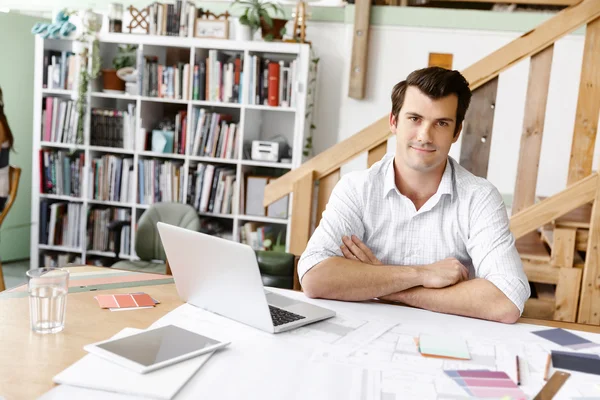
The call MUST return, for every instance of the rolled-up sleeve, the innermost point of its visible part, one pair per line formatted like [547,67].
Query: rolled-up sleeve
[491,246]
[342,216]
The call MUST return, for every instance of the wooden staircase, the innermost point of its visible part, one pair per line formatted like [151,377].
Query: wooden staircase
[557,236]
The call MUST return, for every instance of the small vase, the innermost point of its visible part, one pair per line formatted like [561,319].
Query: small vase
[243,32]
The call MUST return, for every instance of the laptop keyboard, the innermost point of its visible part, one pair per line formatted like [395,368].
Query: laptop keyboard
[281,317]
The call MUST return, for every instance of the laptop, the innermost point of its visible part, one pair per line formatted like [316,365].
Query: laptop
[222,276]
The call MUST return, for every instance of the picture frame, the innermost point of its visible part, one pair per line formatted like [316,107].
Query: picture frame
[211,28]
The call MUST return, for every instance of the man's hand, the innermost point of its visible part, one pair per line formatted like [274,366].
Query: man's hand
[443,273]
[354,249]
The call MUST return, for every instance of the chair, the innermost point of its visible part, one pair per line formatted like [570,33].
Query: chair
[148,245]
[276,269]
[14,174]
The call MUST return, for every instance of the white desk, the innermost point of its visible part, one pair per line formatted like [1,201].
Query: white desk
[369,346]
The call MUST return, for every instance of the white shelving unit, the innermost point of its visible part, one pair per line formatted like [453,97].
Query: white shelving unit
[254,122]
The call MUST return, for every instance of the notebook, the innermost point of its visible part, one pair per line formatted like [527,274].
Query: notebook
[93,372]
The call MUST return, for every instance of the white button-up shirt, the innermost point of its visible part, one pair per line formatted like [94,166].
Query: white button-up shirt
[466,219]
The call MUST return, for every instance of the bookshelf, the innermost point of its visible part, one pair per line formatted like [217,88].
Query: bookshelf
[92,182]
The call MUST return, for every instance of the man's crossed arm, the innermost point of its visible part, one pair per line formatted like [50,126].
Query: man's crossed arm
[442,286]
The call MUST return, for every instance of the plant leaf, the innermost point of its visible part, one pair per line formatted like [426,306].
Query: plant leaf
[267,19]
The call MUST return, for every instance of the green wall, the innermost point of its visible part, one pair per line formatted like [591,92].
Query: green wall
[16,80]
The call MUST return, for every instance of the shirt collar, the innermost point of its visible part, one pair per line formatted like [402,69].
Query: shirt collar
[445,187]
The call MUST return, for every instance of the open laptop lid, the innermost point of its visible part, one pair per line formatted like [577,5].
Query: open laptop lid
[217,275]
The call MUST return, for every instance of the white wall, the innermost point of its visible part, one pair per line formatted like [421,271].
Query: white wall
[396,51]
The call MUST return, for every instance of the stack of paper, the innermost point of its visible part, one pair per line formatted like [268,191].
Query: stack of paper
[93,372]
[444,346]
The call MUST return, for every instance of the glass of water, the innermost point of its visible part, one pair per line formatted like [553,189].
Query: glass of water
[48,289]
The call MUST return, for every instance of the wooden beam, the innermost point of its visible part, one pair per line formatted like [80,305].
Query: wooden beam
[567,294]
[326,185]
[477,130]
[588,107]
[331,159]
[533,129]
[538,308]
[376,154]
[563,247]
[531,42]
[541,273]
[360,49]
[589,307]
[443,60]
[301,213]
[553,207]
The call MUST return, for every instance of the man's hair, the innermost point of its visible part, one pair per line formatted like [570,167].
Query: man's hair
[435,82]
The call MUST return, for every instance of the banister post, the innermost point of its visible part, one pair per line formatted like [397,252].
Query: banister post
[302,199]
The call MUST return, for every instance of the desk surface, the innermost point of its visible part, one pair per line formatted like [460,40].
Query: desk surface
[29,361]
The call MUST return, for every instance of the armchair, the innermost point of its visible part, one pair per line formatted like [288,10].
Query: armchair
[148,246]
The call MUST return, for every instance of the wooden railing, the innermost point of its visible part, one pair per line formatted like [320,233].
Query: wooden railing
[482,76]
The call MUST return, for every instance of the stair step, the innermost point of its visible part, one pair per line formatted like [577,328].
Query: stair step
[531,247]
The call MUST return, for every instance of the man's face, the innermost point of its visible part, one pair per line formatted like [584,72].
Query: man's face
[424,130]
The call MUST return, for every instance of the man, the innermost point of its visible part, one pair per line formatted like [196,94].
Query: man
[417,228]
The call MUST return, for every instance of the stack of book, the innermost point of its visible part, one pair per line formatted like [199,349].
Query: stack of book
[60,260]
[168,82]
[172,19]
[160,181]
[211,189]
[213,135]
[113,128]
[61,173]
[110,179]
[61,70]
[60,223]
[99,238]
[59,121]
[272,82]
[218,77]
[255,235]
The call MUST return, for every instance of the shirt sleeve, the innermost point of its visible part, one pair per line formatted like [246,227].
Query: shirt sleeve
[342,216]
[491,246]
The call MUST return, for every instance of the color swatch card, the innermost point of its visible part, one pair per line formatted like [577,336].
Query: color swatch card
[487,384]
[444,346]
[565,338]
[125,301]
[582,362]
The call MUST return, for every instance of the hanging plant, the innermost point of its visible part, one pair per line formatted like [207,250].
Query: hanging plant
[311,96]
[92,23]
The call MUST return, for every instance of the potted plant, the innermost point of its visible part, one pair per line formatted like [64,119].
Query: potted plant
[126,57]
[256,15]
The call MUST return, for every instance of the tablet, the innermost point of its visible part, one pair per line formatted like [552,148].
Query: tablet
[154,348]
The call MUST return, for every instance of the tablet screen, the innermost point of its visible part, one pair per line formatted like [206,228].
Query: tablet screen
[157,345]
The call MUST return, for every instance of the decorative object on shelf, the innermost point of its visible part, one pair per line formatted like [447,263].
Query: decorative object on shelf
[256,15]
[129,75]
[139,18]
[59,29]
[210,25]
[126,57]
[299,14]
[269,150]
[115,17]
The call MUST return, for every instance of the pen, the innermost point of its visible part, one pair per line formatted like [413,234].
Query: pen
[518,371]
[547,368]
